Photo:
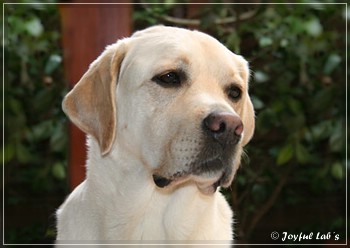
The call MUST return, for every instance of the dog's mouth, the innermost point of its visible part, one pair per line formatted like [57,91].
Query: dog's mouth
[207,188]
[211,175]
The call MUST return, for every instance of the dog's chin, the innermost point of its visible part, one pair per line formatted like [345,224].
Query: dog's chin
[208,188]
[212,175]
[207,175]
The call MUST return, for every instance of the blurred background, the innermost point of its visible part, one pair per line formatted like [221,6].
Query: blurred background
[293,178]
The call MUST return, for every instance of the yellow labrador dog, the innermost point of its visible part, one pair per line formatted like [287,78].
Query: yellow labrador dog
[167,113]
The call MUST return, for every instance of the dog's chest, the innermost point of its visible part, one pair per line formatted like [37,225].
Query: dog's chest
[142,221]
[156,217]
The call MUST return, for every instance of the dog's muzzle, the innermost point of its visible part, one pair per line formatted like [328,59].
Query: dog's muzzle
[222,132]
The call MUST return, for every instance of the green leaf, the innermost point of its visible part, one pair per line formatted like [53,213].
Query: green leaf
[58,171]
[294,105]
[42,130]
[34,27]
[265,41]
[321,130]
[257,103]
[337,138]
[337,170]
[313,27]
[8,152]
[43,99]
[332,62]
[285,154]
[284,43]
[58,140]
[15,106]
[53,62]
[261,77]
[323,99]
[233,41]
[23,154]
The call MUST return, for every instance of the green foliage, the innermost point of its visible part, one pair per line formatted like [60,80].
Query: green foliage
[303,94]
[297,59]
[35,127]
[35,150]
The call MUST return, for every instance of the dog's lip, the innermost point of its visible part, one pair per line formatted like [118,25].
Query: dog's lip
[206,187]
[163,182]
[160,181]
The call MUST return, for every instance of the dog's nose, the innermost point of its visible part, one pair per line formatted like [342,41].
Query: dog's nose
[221,126]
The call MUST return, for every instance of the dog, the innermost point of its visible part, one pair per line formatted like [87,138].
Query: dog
[167,114]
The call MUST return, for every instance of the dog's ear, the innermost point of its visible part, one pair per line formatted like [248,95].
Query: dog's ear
[248,115]
[91,104]
[248,121]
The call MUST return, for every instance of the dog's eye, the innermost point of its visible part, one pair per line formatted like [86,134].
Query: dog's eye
[234,92]
[169,79]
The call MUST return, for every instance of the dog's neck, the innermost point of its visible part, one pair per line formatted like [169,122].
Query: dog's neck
[129,187]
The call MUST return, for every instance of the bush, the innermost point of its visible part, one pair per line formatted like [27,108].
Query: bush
[35,151]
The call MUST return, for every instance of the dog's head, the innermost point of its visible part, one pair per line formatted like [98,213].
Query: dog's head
[175,99]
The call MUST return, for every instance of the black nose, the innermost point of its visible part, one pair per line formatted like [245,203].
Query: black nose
[223,126]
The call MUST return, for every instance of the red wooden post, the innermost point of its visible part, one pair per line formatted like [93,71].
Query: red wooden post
[87,29]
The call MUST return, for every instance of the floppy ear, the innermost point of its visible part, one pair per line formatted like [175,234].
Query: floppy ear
[90,105]
[248,115]
[248,121]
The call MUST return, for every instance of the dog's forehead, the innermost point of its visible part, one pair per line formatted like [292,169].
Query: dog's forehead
[160,44]
[177,40]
